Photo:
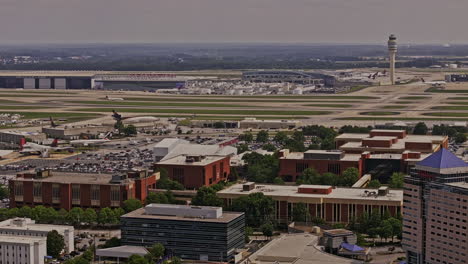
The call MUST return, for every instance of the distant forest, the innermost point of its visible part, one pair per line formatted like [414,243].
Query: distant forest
[179,57]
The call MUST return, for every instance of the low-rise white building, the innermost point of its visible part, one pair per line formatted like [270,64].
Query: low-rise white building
[25,227]
[22,250]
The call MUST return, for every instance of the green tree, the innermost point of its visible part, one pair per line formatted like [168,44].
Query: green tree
[328,143]
[267,230]
[106,217]
[118,212]
[309,176]
[131,205]
[25,211]
[62,216]
[113,242]
[55,243]
[166,183]
[257,207]
[374,184]
[89,216]
[130,130]
[298,136]
[301,213]
[262,136]
[349,177]
[247,137]
[460,138]
[76,216]
[4,193]
[278,180]
[281,137]
[242,148]
[397,227]
[174,260]
[156,198]
[329,179]
[385,230]
[248,233]
[261,168]
[156,251]
[397,180]
[420,129]
[206,196]
[137,259]
[269,147]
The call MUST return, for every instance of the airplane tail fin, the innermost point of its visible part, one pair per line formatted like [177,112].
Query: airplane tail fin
[54,143]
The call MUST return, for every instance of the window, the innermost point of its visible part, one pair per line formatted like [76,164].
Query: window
[95,192]
[115,193]
[178,174]
[55,191]
[215,168]
[37,189]
[19,188]
[75,192]
[300,167]
[334,168]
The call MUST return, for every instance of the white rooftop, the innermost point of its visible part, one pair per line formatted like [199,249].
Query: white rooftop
[348,194]
[182,160]
[297,249]
[21,239]
[210,212]
[197,149]
[121,252]
[28,224]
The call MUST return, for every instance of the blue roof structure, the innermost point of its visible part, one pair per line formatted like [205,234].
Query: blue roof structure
[352,248]
[443,159]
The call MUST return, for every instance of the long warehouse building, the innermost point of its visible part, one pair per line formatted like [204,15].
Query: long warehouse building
[136,81]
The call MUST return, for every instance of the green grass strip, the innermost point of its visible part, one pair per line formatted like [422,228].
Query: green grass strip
[206,111]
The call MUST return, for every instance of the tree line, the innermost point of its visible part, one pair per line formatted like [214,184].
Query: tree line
[77,216]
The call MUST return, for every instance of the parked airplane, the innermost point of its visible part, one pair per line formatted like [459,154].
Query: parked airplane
[37,149]
[90,142]
[114,98]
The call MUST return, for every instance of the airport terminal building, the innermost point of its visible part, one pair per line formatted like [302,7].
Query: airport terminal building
[289,77]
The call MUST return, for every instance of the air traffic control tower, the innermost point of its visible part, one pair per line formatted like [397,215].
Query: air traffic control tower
[392,50]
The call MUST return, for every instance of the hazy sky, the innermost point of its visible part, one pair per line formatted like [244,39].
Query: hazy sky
[297,21]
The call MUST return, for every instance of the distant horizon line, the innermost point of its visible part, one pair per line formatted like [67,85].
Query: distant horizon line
[231,43]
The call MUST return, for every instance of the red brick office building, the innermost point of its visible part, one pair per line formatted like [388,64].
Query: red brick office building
[67,190]
[380,141]
[333,204]
[293,164]
[196,171]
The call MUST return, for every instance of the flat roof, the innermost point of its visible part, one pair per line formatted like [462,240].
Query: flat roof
[315,186]
[121,252]
[349,194]
[459,184]
[182,160]
[300,156]
[388,130]
[226,217]
[167,142]
[71,177]
[378,138]
[298,249]
[399,145]
[21,239]
[351,135]
[7,224]
[321,151]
